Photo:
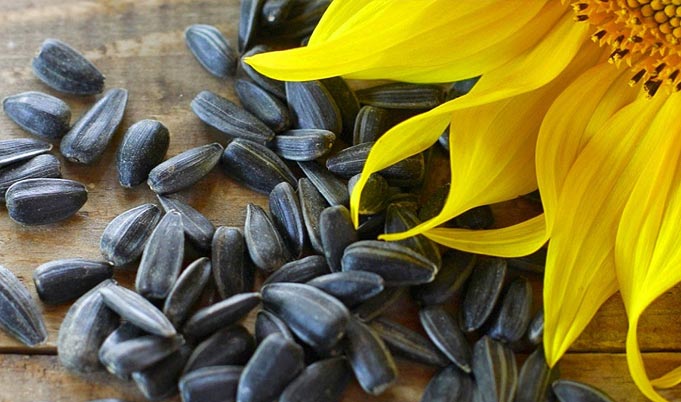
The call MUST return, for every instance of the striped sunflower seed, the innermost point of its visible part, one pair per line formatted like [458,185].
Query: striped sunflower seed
[19,314]
[197,228]
[303,144]
[312,204]
[275,363]
[449,385]
[183,170]
[334,191]
[401,95]
[370,124]
[267,324]
[38,113]
[161,258]
[351,288]
[139,353]
[376,305]
[534,263]
[535,331]
[456,267]
[86,325]
[571,391]
[299,271]
[369,358]
[513,316]
[407,343]
[312,106]
[219,315]
[373,199]
[144,146]
[230,346]
[43,201]
[249,19]
[482,292]
[187,291]
[137,310]
[61,281]
[288,217]
[88,138]
[535,378]
[230,118]
[316,318]
[124,332]
[264,243]
[347,103]
[444,331]
[337,232]
[255,166]
[371,226]
[159,381]
[396,264]
[210,384]
[400,220]
[274,12]
[233,272]
[211,49]
[41,166]
[266,107]
[123,239]
[322,381]
[270,85]
[19,149]
[64,69]
[494,370]
[301,21]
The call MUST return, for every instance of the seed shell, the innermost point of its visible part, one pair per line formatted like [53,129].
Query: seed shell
[270,85]
[494,370]
[64,69]
[444,331]
[370,124]
[61,281]
[288,217]
[303,144]
[456,267]
[312,204]
[266,107]
[144,146]
[334,191]
[43,201]
[337,232]
[513,317]
[230,346]
[219,315]
[233,272]
[299,271]
[19,149]
[249,20]
[267,323]
[400,219]
[124,332]
[19,314]
[137,310]
[449,385]
[210,384]
[351,287]
[88,138]
[535,331]
[301,21]
[535,378]
[255,166]
[346,100]
[123,239]
[373,199]
[274,12]
[407,343]
[402,96]
[198,229]
[264,243]
[482,292]
[183,170]
[573,391]
[211,49]
[322,381]
[159,381]
[187,291]
[38,113]
[139,353]
[42,166]
[376,305]
[312,106]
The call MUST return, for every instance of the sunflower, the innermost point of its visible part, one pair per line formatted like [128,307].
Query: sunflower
[594,126]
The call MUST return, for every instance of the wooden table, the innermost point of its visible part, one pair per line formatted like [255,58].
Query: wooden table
[139,45]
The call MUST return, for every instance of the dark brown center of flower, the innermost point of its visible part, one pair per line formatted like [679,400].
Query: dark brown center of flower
[645,34]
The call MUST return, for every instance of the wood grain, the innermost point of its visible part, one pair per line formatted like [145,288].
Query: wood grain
[139,45]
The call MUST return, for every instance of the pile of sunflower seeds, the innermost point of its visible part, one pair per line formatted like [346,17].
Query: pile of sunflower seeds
[320,310]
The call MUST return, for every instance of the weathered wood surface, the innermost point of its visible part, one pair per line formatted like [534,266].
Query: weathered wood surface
[139,46]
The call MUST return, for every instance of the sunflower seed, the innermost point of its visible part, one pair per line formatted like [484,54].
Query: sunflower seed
[535,379]
[351,288]
[162,258]
[407,201]
[373,199]
[264,243]
[312,106]
[248,22]
[533,263]
[139,353]
[303,144]
[376,305]
[219,315]
[316,318]
[494,370]
[230,346]
[19,314]
[401,95]
[232,271]
[449,385]
[456,267]
[299,271]
[334,191]
[513,317]
[400,220]
[337,232]
[60,281]
[38,113]
[255,166]
[266,107]
[185,169]
[396,264]
[274,12]
[535,331]
[482,292]
[41,166]
[210,384]
[371,226]
[267,323]
[85,327]
[123,333]
[370,124]
[43,201]
[573,391]
[460,88]
[211,49]
[350,162]
[407,343]
[230,118]
[159,381]
[288,217]
[312,204]
[444,331]
[322,381]
[88,138]
[124,237]
[65,70]
[198,229]
[476,218]
[270,85]
[301,21]
[144,146]
[137,310]
[187,291]
[19,149]
[434,204]
[443,140]
[369,358]
[274,364]
[346,100]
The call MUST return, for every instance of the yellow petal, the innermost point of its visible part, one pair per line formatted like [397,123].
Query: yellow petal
[513,241]
[648,247]
[580,272]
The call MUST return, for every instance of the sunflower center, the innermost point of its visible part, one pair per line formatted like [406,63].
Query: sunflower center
[645,34]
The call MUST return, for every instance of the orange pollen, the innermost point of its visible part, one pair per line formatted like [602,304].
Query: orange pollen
[645,34]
